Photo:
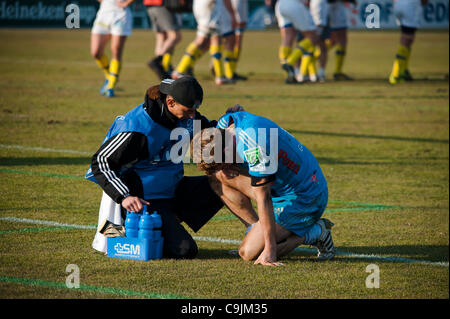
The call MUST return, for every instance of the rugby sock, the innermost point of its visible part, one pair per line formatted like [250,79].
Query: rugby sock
[236,55]
[400,61]
[340,57]
[312,69]
[188,59]
[166,60]
[216,56]
[228,63]
[103,63]
[302,47]
[408,55]
[307,62]
[283,53]
[329,44]
[114,70]
[313,234]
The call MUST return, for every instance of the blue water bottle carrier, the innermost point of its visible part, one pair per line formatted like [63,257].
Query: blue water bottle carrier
[143,239]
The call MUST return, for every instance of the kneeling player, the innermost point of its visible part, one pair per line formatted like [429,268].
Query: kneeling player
[287,185]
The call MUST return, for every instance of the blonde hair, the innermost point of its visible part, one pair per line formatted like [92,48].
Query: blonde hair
[208,139]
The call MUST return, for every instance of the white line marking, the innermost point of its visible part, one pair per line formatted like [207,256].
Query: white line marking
[43,149]
[237,242]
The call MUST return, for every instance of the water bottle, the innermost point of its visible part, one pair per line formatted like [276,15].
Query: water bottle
[157,225]
[146,226]
[158,241]
[131,225]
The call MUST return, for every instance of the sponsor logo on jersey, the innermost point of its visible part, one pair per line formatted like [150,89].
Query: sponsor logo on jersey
[286,161]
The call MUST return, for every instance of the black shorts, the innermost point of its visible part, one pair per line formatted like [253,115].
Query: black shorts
[408,30]
[195,203]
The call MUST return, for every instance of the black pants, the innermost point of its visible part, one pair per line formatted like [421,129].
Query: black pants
[195,203]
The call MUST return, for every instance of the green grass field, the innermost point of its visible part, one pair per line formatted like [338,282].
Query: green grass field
[384,151]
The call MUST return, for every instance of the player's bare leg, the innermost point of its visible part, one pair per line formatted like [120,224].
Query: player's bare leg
[117,46]
[98,44]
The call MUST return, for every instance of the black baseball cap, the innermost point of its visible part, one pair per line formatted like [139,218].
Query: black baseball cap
[186,91]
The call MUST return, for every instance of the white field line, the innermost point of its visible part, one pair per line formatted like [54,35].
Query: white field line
[43,149]
[237,242]
[85,63]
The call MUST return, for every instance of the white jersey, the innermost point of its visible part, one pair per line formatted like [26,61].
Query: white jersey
[408,13]
[112,19]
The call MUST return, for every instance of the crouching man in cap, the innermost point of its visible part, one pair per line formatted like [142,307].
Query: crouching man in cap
[133,167]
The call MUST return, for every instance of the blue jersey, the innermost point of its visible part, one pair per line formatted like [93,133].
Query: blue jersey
[266,149]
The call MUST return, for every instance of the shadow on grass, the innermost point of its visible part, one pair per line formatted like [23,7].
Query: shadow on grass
[29,161]
[379,137]
[431,253]
[204,253]
[435,253]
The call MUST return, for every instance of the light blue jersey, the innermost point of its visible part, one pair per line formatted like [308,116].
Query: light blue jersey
[299,191]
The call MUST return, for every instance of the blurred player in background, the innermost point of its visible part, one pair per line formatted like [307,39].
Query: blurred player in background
[210,26]
[114,22]
[240,8]
[408,14]
[339,26]
[287,32]
[166,26]
[319,12]
[295,12]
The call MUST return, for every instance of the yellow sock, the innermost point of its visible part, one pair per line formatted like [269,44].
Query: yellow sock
[340,57]
[307,59]
[408,55]
[216,56]
[166,60]
[317,52]
[329,44]
[228,63]
[114,70]
[302,47]
[188,59]
[283,53]
[400,61]
[312,69]
[236,54]
[103,63]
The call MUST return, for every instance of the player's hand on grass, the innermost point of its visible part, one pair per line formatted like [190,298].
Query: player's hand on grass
[268,258]
[134,204]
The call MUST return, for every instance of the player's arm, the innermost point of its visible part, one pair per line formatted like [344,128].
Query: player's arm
[261,188]
[120,150]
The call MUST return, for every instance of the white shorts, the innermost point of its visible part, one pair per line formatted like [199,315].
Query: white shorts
[338,15]
[283,22]
[241,10]
[115,22]
[295,12]
[319,12]
[408,13]
[211,17]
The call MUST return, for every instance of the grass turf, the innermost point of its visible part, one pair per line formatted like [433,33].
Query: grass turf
[384,151]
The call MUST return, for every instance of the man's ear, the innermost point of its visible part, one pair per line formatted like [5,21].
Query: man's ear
[170,101]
